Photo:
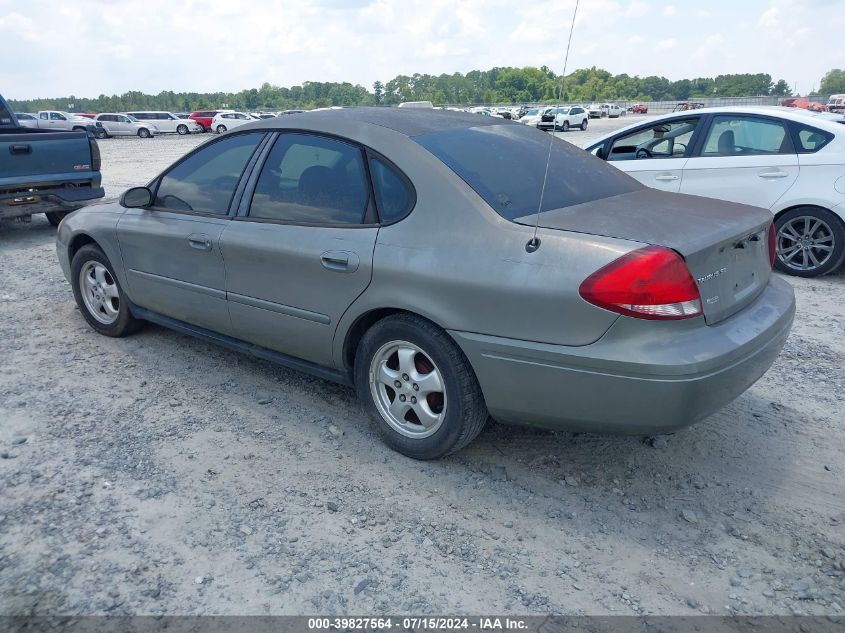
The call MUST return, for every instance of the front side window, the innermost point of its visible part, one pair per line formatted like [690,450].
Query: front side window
[743,136]
[668,139]
[310,179]
[505,165]
[205,181]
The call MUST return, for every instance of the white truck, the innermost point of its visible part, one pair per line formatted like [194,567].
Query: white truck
[63,121]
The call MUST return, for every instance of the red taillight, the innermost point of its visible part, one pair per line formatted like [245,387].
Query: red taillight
[773,244]
[95,154]
[649,283]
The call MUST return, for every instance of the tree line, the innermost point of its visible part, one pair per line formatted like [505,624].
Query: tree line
[498,85]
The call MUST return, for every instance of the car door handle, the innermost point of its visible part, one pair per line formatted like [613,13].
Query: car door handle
[340,261]
[666,177]
[199,242]
[773,173]
[20,149]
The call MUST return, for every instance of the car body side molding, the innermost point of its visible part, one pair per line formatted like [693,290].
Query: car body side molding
[326,373]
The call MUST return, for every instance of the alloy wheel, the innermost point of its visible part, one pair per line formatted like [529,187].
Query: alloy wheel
[408,389]
[805,243]
[99,292]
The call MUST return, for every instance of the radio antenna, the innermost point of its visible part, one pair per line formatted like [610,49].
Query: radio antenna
[534,243]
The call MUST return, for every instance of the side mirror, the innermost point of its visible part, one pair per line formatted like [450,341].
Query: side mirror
[136,198]
[598,152]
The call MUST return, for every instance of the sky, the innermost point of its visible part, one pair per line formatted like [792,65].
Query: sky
[90,47]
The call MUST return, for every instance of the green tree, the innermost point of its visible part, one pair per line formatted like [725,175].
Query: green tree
[833,82]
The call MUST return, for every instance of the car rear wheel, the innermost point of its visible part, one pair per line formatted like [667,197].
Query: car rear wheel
[810,242]
[418,386]
[584,124]
[221,129]
[55,217]
[181,130]
[144,133]
[98,293]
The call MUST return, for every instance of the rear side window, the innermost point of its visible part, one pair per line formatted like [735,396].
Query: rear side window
[743,136]
[393,195]
[205,181]
[309,179]
[505,165]
[810,139]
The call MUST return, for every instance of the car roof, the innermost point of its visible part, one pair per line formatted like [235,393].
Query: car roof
[790,114]
[408,121]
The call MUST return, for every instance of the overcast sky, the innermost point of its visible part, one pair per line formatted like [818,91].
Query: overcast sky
[92,47]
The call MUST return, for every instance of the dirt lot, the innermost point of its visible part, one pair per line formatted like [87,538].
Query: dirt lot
[161,474]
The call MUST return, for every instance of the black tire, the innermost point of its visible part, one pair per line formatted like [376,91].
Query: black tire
[144,133]
[584,124]
[221,128]
[125,323]
[566,126]
[835,229]
[465,412]
[101,133]
[182,129]
[54,217]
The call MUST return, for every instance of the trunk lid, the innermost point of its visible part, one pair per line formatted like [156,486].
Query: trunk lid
[724,244]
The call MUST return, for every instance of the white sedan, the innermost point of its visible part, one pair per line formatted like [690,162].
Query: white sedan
[224,121]
[787,160]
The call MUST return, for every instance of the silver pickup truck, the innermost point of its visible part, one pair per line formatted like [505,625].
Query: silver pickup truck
[45,171]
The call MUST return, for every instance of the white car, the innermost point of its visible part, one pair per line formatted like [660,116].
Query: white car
[167,122]
[224,121]
[562,118]
[787,160]
[114,124]
[25,119]
[533,116]
[610,110]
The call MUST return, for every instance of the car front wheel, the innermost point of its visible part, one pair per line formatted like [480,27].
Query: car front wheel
[584,124]
[182,130]
[418,386]
[810,242]
[144,133]
[99,295]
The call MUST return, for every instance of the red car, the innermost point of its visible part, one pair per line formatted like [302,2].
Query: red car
[204,117]
[638,108]
[804,104]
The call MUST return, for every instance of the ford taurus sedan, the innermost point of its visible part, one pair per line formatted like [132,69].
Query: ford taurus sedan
[419,257]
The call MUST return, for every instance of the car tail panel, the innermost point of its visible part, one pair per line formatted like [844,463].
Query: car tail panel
[725,246]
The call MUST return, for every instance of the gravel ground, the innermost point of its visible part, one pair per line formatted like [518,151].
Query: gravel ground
[161,474]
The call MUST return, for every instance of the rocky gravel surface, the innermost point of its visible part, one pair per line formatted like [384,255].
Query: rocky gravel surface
[161,474]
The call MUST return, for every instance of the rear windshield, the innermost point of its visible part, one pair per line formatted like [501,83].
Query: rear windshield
[505,165]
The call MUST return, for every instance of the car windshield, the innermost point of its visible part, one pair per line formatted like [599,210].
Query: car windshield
[506,164]
[532,112]
[131,118]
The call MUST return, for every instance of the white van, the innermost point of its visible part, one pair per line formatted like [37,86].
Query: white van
[167,122]
[836,103]
[416,104]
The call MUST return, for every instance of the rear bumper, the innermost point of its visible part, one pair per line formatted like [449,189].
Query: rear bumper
[641,377]
[21,204]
